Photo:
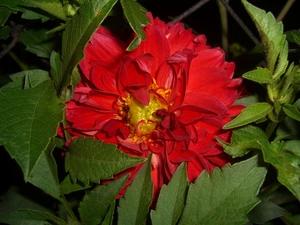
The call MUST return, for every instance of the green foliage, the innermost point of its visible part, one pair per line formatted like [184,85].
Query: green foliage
[4,14]
[78,32]
[260,75]
[39,42]
[171,199]
[272,36]
[286,159]
[251,114]
[136,17]
[225,196]
[37,111]
[95,204]
[90,160]
[67,186]
[134,206]
[243,139]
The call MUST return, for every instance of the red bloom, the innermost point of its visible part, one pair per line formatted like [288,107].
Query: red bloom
[171,96]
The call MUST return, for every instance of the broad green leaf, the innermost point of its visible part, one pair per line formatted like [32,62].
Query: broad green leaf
[78,32]
[286,162]
[26,79]
[244,139]
[135,14]
[67,186]
[225,196]
[271,33]
[171,199]
[5,32]
[95,204]
[90,160]
[28,120]
[4,14]
[53,7]
[44,174]
[29,216]
[134,206]
[251,114]
[266,211]
[39,42]
[260,75]
[292,111]
[13,199]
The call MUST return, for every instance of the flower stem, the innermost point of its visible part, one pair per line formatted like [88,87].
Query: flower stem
[224,26]
[271,128]
[285,10]
[69,210]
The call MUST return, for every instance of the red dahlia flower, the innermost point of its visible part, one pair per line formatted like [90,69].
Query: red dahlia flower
[171,96]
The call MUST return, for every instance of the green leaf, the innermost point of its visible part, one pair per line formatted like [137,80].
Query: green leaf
[291,219]
[134,206]
[282,61]
[28,120]
[293,36]
[95,204]
[26,79]
[5,32]
[109,215]
[135,14]
[266,211]
[271,33]
[171,199]
[244,139]
[292,111]
[15,4]
[260,75]
[29,216]
[39,42]
[251,114]
[286,159]
[90,160]
[4,14]
[55,71]
[78,32]
[134,44]
[44,174]
[53,7]
[288,128]
[67,186]
[225,196]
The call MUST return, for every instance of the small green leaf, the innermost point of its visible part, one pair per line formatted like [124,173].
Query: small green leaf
[55,71]
[134,44]
[44,174]
[29,216]
[95,204]
[39,42]
[282,61]
[78,32]
[4,14]
[288,128]
[292,111]
[244,139]
[110,215]
[53,7]
[171,199]
[26,79]
[247,100]
[134,206]
[270,31]
[67,186]
[286,162]
[251,114]
[225,196]
[28,120]
[293,36]
[135,14]
[90,160]
[266,211]
[260,75]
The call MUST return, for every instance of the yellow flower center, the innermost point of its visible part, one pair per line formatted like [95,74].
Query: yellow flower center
[141,118]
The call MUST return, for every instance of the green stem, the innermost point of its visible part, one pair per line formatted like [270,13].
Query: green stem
[224,26]
[69,210]
[14,57]
[65,124]
[271,128]
[285,10]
